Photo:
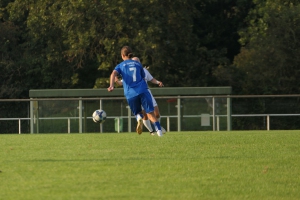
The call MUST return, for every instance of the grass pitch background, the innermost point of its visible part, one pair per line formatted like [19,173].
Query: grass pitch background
[180,165]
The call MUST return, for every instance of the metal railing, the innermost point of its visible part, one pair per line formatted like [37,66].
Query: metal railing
[68,119]
[215,117]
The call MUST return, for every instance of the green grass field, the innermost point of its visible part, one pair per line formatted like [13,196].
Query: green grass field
[180,165]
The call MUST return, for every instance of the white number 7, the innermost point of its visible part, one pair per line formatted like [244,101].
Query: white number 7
[134,73]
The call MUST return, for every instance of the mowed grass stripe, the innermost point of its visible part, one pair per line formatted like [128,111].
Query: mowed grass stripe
[180,165]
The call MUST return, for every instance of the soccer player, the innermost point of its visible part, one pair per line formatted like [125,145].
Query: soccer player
[146,121]
[135,89]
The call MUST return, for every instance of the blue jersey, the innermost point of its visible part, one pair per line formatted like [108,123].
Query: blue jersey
[133,75]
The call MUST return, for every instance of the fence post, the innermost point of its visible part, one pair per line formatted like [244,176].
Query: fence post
[228,114]
[80,115]
[168,124]
[178,114]
[214,114]
[268,122]
[118,124]
[69,125]
[218,123]
[31,117]
[19,126]
[129,119]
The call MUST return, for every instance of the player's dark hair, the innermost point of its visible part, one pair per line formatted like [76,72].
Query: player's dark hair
[126,51]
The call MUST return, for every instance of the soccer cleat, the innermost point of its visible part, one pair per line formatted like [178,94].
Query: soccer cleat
[159,133]
[139,127]
[163,130]
[152,133]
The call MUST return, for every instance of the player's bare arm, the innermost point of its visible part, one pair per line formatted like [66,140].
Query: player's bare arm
[117,81]
[112,80]
[159,83]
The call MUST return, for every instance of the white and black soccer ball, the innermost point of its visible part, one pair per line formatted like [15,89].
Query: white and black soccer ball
[99,116]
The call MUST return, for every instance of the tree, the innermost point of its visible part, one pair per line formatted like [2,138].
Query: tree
[216,27]
[71,44]
[11,71]
[270,55]
[269,59]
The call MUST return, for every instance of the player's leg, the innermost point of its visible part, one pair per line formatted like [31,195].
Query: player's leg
[157,113]
[135,106]
[149,109]
[147,123]
[157,116]
[156,123]
[154,105]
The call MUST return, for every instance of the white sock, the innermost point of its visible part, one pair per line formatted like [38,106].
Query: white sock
[138,116]
[156,129]
[148,125]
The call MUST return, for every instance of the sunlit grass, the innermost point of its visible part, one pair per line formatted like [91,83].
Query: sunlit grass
[184,165]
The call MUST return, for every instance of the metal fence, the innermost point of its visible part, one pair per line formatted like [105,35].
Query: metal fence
[179,113]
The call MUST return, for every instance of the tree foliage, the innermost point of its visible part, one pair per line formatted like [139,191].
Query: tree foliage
[76,44]
[271,53]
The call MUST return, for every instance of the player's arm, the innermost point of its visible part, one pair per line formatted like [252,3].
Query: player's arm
[112,80]
[159,83]
[119,82]
[150,78]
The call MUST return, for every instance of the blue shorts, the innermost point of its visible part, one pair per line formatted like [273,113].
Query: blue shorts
[144,99]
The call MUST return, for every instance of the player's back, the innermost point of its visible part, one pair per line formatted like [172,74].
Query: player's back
[133,78]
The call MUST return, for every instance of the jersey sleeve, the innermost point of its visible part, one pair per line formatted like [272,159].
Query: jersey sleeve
[148,76]
[117,68]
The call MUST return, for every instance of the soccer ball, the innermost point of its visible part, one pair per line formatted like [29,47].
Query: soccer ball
[99,116]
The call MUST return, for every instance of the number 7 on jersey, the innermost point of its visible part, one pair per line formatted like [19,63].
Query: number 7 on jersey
[134,73]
